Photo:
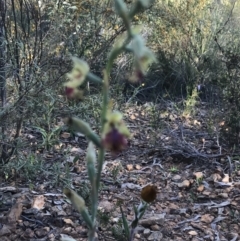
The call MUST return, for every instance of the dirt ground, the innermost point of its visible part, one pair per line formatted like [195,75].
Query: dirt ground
[197,177]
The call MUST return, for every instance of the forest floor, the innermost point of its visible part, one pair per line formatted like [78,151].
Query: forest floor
[197,177]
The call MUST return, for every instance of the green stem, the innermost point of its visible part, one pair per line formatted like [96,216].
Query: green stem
[105,99]
[91,234]
[117,51]
[101,155]
[100,165]
[94,203]
[101,158]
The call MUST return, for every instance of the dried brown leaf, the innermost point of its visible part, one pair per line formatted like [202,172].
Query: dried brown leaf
[200,188]
[184,184]
[226,178]
[129,167]
[207,218]
[198,175]
[193,233]
[38,202]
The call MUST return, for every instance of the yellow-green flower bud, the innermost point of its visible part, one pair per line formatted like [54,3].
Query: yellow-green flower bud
[91,160]
[84,128]
[76,200]
[79,204]
[143,58]
[79,125]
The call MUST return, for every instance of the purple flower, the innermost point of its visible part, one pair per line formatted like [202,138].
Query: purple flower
[115,141]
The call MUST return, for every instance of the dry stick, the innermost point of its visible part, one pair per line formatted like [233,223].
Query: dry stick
[191,150]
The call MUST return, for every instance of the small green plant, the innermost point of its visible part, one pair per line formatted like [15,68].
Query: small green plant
[59,176]
[49,138]
[190,103]
[115,171]
[114,133]
[118,232]
[29,168]
[199,181]
[155,117]
[103,217]
[192,196]
[173,169]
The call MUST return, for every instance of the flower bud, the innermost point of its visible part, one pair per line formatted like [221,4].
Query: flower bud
[149,193]
[91,160]
[143,58]
[76,200]
[79,204]
[85,129]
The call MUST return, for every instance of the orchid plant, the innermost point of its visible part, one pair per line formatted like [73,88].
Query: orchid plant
[114,133]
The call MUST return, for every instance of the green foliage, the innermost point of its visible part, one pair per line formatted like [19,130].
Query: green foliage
[198,44]
[84,190]
[38,50]
[115,170]
[49,138]
[58,176]
[199,181]
[103,217]
[118,232]
[25,168]
[190,103]
[173,169]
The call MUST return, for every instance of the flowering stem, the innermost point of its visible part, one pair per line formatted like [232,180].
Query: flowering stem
[100,165]
[111,137]
[114,54]
[94,202]
[91,234]
[103,120]
[105,98]
[132,234]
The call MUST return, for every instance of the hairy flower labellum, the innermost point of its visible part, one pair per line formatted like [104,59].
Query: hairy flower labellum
[73,93]
[69,91]
[115,141]
[115,133]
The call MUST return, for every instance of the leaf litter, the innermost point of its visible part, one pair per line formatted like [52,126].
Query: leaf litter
[198,185]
